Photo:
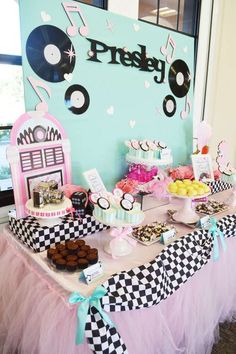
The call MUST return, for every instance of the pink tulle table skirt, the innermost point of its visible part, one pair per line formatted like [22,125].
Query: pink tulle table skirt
[36,318]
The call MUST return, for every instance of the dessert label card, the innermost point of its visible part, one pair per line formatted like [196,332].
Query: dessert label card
[93,272]
[168,236]
[94,181]
[202,167]
[205,222]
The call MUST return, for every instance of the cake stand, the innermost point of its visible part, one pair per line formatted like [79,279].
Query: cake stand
[149,162]
[50,214]
[120,245]
[186,214]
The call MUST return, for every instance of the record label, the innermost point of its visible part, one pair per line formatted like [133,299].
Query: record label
[77,99]
[179,78]
[50,53]
[169,105]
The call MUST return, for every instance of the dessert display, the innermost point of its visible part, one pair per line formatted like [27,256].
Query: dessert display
[211,207]
[117,206]
[72,256]
[188,188]
[148,152]
[150,233]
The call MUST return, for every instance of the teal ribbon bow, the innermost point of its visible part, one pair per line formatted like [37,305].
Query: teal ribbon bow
[214,232]
[83,308]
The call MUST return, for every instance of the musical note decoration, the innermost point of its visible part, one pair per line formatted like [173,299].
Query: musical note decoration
[169,55]
[72,30]
[187,108]
[42,106]
[223,160]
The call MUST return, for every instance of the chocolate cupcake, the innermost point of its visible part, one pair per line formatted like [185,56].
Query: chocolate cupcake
[85,248]
[51,252]
[82,254]
[83,263]
[92,258]
[60,247]
[80,243]
[55,257]
[71,257]
[60,264]
[72,248]
[64,253]
[71,266]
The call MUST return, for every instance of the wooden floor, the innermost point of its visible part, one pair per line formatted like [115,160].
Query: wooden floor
[227,342]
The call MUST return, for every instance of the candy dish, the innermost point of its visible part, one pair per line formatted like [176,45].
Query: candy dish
[186,213]
[151,233]
[120,244]
[211,207]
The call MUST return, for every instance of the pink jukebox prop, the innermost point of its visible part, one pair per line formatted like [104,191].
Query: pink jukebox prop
[38,151]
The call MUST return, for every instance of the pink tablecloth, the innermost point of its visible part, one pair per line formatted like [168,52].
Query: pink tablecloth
[36,318]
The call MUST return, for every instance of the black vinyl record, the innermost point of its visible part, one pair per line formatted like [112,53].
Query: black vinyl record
[50,53]
[77,99]
[179,78]
[169,105]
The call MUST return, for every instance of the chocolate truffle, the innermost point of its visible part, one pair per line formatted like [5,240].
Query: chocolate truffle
[51,252]
[80,243]
[72,257]
[92,258]
[60,247]
[82,254]
[83,263]
[72,248]
[85,248]
[93,250]
[64,253]
[71,266]
[55,257]
[60,264]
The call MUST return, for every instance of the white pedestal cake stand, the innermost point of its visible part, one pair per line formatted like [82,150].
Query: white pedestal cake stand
[186,214]
[119,246]
[50,214]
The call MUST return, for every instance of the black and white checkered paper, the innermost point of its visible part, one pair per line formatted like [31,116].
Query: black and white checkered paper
[39,238]
[218,186]
[147,285]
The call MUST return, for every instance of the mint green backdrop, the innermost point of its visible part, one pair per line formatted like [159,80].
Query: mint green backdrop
[97,137]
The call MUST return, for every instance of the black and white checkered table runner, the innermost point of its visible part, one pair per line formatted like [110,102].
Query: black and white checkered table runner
[147,285]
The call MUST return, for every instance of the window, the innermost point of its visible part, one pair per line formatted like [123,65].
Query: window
[97,3]
[179,15]
[11,90]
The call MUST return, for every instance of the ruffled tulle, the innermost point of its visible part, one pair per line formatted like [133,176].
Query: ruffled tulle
[36,318]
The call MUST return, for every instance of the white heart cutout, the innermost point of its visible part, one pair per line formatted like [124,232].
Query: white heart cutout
[136,27]
[45,17]
[110,110]
[132,123]
[68,77]
[146,84]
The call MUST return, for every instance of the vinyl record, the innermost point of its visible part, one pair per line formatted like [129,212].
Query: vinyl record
[179,78]
[50,53]
[169,105]
[77,99]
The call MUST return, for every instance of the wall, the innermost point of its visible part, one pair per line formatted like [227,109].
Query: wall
[220,109]
[125,101]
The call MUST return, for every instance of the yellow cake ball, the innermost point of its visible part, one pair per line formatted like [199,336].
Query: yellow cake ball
[187,181]
[182,191]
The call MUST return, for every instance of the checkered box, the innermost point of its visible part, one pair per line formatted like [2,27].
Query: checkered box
[39,237]
[218,186]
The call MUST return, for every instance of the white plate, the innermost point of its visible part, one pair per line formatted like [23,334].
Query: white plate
[145,243]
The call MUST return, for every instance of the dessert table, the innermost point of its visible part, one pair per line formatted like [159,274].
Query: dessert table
[162,299]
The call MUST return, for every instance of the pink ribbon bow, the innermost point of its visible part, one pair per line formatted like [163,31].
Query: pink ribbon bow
[70,211]
[121,233]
